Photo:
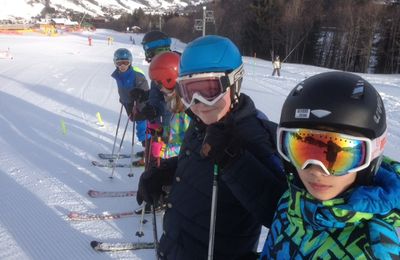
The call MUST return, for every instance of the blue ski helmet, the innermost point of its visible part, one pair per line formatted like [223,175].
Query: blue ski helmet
[122,54]
[210,53]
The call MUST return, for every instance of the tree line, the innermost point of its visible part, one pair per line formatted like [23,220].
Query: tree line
[350,35]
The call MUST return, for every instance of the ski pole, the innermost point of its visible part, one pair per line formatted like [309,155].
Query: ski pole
[153,209]
[119,149]
[140,232]
[213,213]
[133,139]
[116,133]
[146,167]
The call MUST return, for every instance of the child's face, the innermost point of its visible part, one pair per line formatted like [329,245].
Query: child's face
[123,67]
[211,114]
[322,186]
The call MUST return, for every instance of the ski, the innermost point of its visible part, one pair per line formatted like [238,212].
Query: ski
[111,194]
[110,165]
[109,156]
[81,216]
[104,246]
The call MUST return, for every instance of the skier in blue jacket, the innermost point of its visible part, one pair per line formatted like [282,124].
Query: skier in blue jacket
[226,129]
[342,202]
[156,42]
[128,79]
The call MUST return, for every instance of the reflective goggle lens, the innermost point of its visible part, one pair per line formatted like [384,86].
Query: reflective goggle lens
[122,62]
[206,90]
[338,153]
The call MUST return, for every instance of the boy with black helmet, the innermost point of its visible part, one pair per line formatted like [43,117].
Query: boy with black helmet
[155,109]
[155,42]
[342,202]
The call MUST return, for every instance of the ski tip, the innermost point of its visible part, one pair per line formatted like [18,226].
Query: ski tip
[92,193]
[94,243]
[72,215]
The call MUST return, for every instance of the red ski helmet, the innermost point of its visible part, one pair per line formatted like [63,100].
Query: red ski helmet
[164,69]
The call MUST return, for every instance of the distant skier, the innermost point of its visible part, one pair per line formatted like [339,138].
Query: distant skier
[90,40]
[276,64]
[110,40]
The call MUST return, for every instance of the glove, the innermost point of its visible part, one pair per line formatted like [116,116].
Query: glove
[139,95]
[156,148]
[151,182]
[220,144]
[149,112]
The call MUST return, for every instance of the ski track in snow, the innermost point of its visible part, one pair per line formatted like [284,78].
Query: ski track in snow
[45,174]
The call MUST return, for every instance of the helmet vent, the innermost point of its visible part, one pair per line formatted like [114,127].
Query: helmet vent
[358,91]
[298,90]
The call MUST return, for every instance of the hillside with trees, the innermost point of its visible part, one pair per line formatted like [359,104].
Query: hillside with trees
[350,35]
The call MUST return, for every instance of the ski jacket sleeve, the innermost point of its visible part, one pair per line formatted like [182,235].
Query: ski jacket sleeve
[141,130]
[256,177]
[141,81]
[156,98]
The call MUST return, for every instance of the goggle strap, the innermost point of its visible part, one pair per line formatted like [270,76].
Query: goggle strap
[378,144]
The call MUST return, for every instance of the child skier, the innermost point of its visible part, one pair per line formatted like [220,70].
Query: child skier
[225,130]
[163,70]
[342,202]
[128,79]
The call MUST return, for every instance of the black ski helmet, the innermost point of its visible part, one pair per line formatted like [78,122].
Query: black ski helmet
[340,100]
[154,40]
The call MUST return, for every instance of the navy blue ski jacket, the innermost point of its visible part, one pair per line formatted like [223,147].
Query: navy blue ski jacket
[156,99]
[247,199]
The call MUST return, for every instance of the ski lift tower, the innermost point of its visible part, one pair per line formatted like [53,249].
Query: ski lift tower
[200,24]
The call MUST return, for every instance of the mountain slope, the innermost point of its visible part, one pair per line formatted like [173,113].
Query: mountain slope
[31,8]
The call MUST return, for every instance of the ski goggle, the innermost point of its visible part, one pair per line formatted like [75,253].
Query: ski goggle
[122,62]
[337,154]
[156,44]
[208,88]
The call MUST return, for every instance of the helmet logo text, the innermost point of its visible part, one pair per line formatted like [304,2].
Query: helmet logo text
[302,113]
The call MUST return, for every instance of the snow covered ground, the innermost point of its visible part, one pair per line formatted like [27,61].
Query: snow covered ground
[50,93]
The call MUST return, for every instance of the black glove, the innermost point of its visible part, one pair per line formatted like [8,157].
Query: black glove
[220,143]
[149,112]
[152,181]
[139,95]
